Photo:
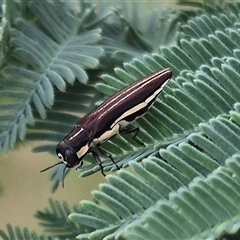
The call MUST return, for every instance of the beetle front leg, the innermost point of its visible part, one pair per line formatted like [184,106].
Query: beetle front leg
[134,129]
[99,162]
[80,164]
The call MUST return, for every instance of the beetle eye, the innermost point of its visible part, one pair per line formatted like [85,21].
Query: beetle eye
[60,156]
[71,158]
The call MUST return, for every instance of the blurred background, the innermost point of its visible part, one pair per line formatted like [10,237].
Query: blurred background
[26,190]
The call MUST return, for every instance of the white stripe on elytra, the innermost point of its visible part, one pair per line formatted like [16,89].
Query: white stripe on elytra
[134,89]
[129,112]
[106,135]
[76,134]
[140,105]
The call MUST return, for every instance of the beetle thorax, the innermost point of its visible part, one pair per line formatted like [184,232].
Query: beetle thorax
[79,140]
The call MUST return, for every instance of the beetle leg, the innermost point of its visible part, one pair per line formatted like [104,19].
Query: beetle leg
[134,129]
[99,162]
[107,154]
[79,165]
[63,175]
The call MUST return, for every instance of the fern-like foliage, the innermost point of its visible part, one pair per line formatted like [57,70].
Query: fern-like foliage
[79,100]
[188,190]
[58,224]
[191,187]
[51,55]
[206,88]
[187,185]
[134,29]
[24,234]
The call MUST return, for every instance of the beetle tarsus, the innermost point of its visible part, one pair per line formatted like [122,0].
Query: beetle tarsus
[63,175]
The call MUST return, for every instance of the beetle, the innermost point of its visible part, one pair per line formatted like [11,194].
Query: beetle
[108,119]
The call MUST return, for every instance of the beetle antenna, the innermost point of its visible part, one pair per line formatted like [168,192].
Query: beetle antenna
[63,176]
[51,167]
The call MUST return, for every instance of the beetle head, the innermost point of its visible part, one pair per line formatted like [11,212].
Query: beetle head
[67,156]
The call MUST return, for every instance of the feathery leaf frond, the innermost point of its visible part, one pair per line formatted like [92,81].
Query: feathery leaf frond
[188,184]
[125,35]
[191,187]
[58,224]
[24,234]
[40,62]
[203,89]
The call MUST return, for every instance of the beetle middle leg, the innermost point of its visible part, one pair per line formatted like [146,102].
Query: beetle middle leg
[106,154]
[131,130]
[99,162]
